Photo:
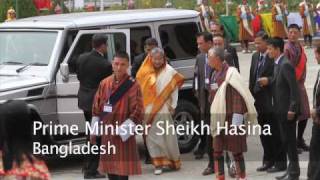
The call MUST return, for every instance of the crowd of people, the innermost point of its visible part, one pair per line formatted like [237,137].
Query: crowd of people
[250,21]
[276,97]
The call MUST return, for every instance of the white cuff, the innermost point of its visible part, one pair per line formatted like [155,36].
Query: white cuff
[237,119]
[126,129]
[95,125]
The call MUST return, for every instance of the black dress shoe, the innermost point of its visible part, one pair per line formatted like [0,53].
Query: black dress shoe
[287,177]
[199,154]
[264,167]
[283,176]
[94,176]
[275,169]
[291,178]
[208,171]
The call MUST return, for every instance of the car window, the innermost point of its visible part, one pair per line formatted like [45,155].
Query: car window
[179,40]
[116,42]
[138,35]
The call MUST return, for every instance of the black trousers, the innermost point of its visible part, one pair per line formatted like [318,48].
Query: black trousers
[206,140]
[269,142]
[289,144]
[307,38]
[314,158]
[117,177]
[92,160]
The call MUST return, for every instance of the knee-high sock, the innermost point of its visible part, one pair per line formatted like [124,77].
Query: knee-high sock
[240,166]
[219,165]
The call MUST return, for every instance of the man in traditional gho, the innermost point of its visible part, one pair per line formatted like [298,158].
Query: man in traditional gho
[232,105]
[207,14]
[160,84]
[297,57]
[279,19]
[306,12]
[11,15]
[118,103]
[244,17]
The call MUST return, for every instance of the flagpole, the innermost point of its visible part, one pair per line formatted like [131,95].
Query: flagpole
[227,7]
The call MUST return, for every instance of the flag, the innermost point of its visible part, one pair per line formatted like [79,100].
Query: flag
[42,4]
[215,1]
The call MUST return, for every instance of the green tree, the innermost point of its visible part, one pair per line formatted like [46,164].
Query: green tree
[23,8]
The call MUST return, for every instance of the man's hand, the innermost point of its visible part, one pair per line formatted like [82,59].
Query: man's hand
[314,114]
[263,81]
[171,110]
[291,115]
[93,139]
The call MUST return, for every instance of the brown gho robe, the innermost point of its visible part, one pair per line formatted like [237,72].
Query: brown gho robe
[126,160]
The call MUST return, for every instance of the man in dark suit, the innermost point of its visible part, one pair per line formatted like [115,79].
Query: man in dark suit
[149,44]
[286,105]
[262,66]
[231,56]
[91,68]
[201,85]
[314,156]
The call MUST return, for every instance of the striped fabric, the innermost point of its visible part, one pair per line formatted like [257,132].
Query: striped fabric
[126,160]
[293,53]
[233,143]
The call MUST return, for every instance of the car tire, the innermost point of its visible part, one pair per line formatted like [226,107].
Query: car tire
[186,112]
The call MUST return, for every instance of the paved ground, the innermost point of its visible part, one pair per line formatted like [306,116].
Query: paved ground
[70,168]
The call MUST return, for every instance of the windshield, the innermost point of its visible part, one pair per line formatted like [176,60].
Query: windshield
[23,48]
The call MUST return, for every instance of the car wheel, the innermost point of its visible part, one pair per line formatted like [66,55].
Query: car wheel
[186,112]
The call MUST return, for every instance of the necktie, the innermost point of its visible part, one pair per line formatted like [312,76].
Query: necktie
[316,91]
[260,62]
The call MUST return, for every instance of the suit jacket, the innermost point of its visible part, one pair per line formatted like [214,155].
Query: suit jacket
[316,95]
[231,57]
[91,69]
[201,92]
[285,88]
[262,95]
[138,60]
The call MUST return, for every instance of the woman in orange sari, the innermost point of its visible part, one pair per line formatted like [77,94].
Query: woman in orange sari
[160,84]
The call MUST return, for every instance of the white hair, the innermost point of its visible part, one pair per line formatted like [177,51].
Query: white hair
[217,51]
[157,50]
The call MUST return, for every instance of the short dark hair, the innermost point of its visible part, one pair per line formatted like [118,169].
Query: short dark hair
[220,25]
[276,42]
[151,42]
[218,35]
[206,36]
[121,54]
[294,26]
[263,35]
[98,40]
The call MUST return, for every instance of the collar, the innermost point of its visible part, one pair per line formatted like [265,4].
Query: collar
[264,54]
[99,52]
[278,59]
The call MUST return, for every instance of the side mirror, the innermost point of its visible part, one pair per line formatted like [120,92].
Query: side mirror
[64,71]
